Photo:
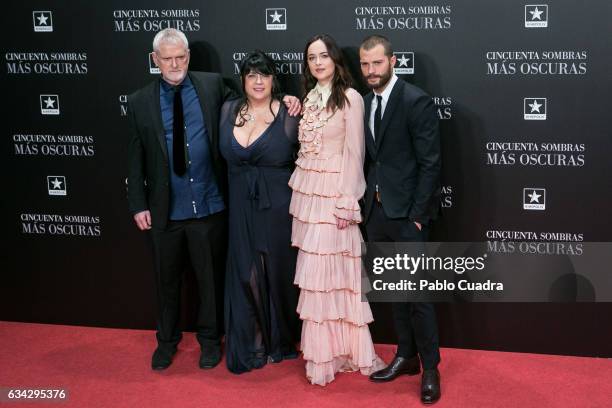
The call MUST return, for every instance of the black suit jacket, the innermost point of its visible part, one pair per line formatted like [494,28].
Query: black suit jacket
[148,169]
[404,160]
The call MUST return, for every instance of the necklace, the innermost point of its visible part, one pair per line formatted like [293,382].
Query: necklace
[250,117]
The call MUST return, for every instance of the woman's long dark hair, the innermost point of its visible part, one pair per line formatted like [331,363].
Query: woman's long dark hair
[342,78]
[260,63]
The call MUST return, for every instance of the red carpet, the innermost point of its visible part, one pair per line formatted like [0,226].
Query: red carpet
[110,368]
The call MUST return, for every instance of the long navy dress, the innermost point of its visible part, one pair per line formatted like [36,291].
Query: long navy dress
[261,322]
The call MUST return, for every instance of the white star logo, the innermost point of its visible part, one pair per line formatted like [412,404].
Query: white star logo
[276,17]
[536,14]
[403,62]
[534,197]
[535,106]
[50,102]
[42,19]
[56,184]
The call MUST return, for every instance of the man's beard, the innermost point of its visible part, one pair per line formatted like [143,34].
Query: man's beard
[384,79]
[175,76]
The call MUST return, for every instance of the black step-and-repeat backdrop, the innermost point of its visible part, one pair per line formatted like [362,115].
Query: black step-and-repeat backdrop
[523,94]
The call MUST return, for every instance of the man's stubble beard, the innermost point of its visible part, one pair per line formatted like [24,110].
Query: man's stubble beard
[384,80]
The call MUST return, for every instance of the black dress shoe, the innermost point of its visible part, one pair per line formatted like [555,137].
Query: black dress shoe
[430,386]
[399,366]
[290,354]
[260,359]
[210,357]
[285,353]
[162,358]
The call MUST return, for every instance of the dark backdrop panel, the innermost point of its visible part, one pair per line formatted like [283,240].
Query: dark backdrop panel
[75,257]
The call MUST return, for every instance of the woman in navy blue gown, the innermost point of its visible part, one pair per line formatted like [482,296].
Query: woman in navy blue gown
[258,139]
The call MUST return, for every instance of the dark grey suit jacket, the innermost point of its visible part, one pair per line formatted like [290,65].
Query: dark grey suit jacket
[148,171]
[404,160]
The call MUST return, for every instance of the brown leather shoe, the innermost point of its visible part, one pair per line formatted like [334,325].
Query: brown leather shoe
[399,366]
[430,386]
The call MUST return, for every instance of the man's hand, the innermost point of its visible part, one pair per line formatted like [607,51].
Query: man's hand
[293,104]
[143,220]
[418,225]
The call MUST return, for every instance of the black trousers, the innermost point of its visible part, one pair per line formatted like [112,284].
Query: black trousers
[203,243]
[415,323]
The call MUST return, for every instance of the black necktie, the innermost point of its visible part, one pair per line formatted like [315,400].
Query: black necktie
[377,116]
[178,134]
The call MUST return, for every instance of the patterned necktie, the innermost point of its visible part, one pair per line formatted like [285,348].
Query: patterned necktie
[178,134]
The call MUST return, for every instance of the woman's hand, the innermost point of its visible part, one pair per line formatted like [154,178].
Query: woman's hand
[293,105]
[342,224]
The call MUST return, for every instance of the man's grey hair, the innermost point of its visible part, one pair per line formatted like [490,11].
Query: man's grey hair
[170,36]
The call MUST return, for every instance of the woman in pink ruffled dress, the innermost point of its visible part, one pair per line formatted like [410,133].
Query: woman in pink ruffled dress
[327,183]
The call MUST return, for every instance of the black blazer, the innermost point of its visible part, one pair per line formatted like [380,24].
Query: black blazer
[404,160]
[148,169]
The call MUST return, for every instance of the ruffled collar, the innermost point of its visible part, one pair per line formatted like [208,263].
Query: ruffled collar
[318,96]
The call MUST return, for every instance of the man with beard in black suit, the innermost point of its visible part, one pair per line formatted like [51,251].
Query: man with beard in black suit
[402,197]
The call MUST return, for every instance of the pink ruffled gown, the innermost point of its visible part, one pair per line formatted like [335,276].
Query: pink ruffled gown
[327,183]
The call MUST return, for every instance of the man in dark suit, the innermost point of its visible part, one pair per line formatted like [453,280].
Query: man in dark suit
[402,197]
[176,188]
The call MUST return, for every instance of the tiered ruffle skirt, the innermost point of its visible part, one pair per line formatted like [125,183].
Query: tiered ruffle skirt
[335,333]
